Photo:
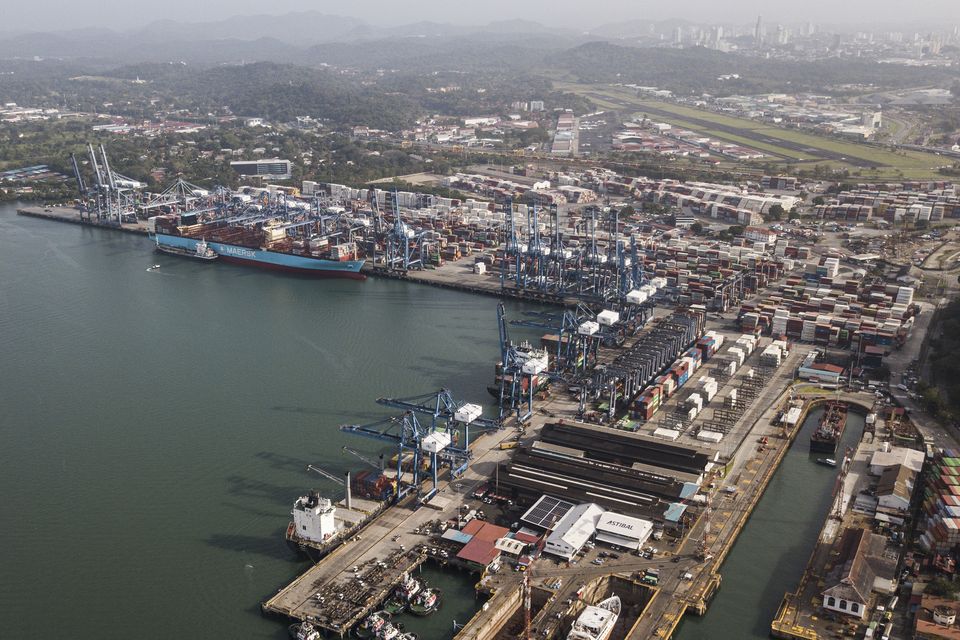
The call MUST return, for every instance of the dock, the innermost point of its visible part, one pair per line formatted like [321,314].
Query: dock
[455,276]
[393,539]
[799,616]
[71,215]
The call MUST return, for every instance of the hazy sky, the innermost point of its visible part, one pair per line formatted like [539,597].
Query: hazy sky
[62,14]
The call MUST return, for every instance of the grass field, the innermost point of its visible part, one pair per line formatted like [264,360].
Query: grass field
[798,146]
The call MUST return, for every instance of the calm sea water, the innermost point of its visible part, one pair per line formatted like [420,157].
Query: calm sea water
[156,425]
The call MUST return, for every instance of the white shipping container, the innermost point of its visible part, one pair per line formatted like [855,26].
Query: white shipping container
[709,436]
[666,434]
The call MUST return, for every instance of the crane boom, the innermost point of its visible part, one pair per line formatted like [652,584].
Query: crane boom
[326,474]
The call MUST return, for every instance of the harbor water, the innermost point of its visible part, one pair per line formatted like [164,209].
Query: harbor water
[772,551]
[157,424]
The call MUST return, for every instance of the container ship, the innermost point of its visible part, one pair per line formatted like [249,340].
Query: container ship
[827,435]
[262,242]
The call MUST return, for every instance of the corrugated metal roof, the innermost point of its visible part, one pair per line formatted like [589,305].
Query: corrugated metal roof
[479,551]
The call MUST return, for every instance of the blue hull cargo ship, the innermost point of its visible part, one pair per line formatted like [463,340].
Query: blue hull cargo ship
[288,262]
[268,244]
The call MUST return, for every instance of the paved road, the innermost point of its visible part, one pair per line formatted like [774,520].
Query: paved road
[899,361]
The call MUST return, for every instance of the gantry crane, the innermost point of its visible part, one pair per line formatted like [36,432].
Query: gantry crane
[520,368]
[111,196]
[447,414]
[420,441]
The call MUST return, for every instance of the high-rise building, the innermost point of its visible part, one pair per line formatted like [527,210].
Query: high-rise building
[758,31]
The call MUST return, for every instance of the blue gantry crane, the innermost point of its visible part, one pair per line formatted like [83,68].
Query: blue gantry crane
[410,437]
[521,366]
[406,247]
[449,415]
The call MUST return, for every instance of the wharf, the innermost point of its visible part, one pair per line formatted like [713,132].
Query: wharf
[458,276]
[73,216]
[392,538]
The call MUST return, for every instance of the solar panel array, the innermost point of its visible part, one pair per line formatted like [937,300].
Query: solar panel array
[546,512]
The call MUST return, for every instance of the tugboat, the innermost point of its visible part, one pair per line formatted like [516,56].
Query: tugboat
[426,603]
[372,625]
[827,435]
[388,632]
[597,621]
[202,251]
[403,595]
[304,631]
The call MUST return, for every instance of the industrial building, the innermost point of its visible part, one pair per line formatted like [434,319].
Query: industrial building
[620,471]
[623,531]
[860,568]
[573,531]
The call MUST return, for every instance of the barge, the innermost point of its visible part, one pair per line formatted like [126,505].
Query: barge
[827,435]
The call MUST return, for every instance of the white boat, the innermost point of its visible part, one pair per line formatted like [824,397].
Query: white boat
[388,632]
[597,621]
[830,462]
[304,631]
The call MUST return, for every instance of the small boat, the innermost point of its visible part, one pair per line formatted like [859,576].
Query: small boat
[403,595]
[596,622]
[830,462]
[408,636]
[372,624]
[201,251]
[426,603]
[304,631]
[388,632]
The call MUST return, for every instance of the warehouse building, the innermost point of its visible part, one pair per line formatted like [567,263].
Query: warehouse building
[626,449]
[573,531]
[577,479]
[623,531]
[270,169]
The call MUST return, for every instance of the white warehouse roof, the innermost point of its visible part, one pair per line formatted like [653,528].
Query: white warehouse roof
[573,531]
[625,526]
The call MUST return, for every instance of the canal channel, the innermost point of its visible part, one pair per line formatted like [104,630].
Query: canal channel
[769,556]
